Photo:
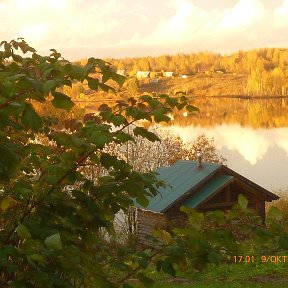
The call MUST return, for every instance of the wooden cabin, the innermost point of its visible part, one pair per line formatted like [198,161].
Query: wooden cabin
[203,186]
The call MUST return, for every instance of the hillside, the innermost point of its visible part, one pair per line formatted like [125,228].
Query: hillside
[258,72]
[199,85]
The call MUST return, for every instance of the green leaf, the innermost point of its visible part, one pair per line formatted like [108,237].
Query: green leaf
[94,158]
[119,79]
[62,101]
[217,216]
[192,108]
[146,98]
[123,137]
[17,58]
[93,83]
[71,177]
[53,242]
[106,115]
[163,235]
[17,77]
[215,257]
[61,138]
[242,201]
[31,119]
[275,213]
[142,200]
[166,267]
[104,107]
[77,141]
[126,285]
[47,72]
[148,282]
[23,232]
[14,109]
[101,281]
[100,139]
[37,258]
[195,218]
[118,120]
[283,242]
[146,134]
[48,86]
[160,115]
[107,88]
[6,203]
[9,163]
[172,102]
[112,161]
[51,179]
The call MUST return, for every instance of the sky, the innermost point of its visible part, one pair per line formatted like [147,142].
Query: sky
[128,28]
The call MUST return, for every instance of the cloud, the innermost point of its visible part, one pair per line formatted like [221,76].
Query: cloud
[186,20]
[133,28]
[280,15]
[243,15]
[199,29]
[191,28]
[251,144]
[60,24]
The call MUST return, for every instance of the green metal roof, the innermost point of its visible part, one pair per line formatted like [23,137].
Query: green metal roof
[214,185]
[180,177]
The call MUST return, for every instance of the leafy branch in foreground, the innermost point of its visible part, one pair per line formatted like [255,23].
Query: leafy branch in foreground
[52,213]
[55,217]
[206,239]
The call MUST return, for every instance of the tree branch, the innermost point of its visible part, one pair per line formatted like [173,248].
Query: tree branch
[13,98]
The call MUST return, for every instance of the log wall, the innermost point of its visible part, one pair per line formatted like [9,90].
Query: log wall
[147,221]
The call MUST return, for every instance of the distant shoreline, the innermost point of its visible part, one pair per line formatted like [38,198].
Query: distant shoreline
[191,97]
[240,97]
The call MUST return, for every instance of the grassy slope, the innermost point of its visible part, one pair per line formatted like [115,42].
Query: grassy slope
[199,85]
[224,275]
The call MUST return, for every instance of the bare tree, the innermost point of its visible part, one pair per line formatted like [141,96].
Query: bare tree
[144,155]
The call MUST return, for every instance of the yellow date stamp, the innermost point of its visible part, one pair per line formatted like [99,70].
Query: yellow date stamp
[263,258]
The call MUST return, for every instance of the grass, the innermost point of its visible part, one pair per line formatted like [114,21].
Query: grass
[226,275]
[234,275]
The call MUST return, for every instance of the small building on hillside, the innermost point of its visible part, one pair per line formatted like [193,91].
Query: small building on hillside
[156,74]
[202,186]
[185,76]
[168,74]
[142,74]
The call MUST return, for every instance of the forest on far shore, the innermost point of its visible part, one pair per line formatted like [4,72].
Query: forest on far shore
[257,72]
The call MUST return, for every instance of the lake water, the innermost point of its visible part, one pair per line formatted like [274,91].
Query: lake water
[251,134]
[258,154]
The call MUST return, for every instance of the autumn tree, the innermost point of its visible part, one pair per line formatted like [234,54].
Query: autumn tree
[144,155]
[132,85]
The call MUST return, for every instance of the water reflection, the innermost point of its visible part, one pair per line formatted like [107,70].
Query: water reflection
[258,154]
[251,133]
[256,113]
